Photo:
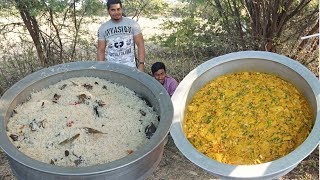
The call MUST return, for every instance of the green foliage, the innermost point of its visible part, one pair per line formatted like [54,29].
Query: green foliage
[202,33]
[36,7]
[55,26]
[147,8]
[211,28]
[16,66]
[93,8]
[57,6]
[178,65]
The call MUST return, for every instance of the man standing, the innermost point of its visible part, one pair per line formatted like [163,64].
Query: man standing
[117,38]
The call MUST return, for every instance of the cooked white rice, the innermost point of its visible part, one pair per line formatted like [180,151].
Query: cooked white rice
[39,126]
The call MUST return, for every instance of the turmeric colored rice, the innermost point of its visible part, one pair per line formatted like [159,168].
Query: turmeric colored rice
[247,118]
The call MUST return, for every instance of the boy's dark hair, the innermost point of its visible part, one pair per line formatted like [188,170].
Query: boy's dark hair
[111,2]
[156,66]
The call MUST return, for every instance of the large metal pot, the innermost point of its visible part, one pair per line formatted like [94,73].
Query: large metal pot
[287,69]
[138,165]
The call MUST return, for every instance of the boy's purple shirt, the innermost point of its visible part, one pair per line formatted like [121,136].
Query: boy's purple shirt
[170,84]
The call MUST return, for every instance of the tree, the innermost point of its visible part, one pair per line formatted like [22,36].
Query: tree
[55,26]
[136,8]
[222,26]
[32,25]
[269,18]
[47,21]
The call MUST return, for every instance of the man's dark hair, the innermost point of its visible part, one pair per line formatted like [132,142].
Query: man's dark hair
[156,66]
[111,2]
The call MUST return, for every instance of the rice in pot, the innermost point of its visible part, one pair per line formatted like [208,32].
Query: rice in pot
[247,118]
[82,122]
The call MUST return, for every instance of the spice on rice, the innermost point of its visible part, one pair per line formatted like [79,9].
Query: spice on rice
[81,122]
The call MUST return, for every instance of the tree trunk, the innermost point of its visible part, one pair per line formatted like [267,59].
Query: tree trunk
[33,29]
[268,19]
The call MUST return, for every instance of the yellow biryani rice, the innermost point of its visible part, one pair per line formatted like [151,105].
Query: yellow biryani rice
[247,118]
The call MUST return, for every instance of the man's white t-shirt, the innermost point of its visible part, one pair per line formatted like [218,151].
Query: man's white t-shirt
[119,39]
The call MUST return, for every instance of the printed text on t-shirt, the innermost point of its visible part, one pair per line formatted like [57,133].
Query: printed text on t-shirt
[119,30]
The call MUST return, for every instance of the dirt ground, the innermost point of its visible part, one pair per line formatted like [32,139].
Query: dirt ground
[174,166]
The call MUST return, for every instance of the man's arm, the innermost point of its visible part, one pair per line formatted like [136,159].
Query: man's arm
[138,39]
[101,50]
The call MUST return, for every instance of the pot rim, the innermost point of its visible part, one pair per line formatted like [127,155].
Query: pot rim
[268,169]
